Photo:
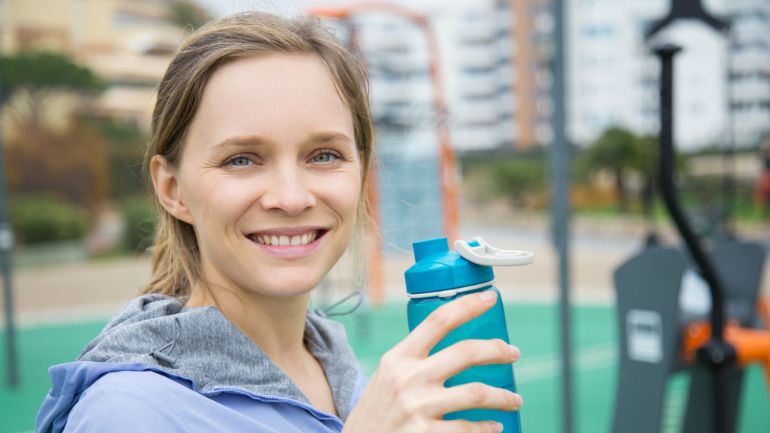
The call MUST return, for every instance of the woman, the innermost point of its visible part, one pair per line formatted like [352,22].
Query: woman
[261,140]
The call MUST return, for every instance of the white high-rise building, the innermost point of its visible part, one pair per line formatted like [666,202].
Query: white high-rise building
[474,57]
[474,52]
[749,69]
[722,83]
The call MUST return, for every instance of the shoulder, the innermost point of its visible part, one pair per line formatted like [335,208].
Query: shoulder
[129,401]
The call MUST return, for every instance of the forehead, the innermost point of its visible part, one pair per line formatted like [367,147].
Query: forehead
[284,97]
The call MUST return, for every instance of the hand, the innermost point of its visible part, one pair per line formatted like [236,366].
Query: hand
[407,395]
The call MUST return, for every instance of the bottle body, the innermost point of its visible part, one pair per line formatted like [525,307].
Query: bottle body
[490,325]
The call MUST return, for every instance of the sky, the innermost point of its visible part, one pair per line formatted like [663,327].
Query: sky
[281,7]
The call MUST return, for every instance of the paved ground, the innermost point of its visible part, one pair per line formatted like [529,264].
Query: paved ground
[98,288]
[59,308]
[371,332]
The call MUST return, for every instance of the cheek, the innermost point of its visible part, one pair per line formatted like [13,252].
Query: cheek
[214,199]
[343,194]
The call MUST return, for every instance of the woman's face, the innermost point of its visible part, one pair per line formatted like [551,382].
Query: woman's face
[269,177]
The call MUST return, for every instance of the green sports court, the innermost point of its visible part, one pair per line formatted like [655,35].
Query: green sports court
[532,326]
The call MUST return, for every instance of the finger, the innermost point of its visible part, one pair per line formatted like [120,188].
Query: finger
[468,353]
[475,395]
[444,319]
[463,426]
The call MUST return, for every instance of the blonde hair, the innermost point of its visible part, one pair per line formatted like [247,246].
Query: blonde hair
[175,255]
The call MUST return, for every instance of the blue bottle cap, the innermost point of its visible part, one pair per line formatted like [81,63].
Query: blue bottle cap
[437,268]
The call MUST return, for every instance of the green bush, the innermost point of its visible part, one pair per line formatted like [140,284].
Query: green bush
[519,176]
[139,218]
[44,218]
[518,179]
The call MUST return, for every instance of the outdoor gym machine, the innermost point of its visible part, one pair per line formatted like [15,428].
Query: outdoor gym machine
[658,338]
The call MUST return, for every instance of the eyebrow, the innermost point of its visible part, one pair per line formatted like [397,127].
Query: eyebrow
[242,141]
[257,140]
[325,137]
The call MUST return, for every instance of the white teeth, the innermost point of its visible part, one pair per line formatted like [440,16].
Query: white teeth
[282,240]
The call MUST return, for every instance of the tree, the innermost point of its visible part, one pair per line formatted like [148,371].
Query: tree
[34,76]
[647,151]
[70,163]
[518,178]
[616,151]
[124,150]
[186,14]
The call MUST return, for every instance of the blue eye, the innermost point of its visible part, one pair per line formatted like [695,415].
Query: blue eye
[238,161]
[325,156]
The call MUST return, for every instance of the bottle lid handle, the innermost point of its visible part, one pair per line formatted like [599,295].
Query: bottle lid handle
[487,255]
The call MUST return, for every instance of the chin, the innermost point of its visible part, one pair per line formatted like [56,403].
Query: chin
[292,283]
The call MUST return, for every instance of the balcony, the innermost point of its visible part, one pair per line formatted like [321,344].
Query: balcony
[506,103]
[752,31]
[750,60]
[477,31]
[750,90]
[747,7]
[481,112]
[479,88]
[390,42]
[478,56]
[507,72]
[505,23]
[397,66]
[476,138]
[385,92]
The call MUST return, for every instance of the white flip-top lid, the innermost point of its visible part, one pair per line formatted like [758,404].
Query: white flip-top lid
[487,255]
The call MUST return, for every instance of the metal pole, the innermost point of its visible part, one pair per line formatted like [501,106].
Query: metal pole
[6,244]
[560,205]
[717,353]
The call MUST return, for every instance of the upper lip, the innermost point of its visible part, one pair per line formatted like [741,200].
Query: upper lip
[286,231]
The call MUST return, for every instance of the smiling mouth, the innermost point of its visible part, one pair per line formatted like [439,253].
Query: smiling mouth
[277,240]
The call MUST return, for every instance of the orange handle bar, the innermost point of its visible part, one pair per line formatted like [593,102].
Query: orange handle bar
[751,345]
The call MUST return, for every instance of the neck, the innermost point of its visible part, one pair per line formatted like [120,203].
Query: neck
[276,325]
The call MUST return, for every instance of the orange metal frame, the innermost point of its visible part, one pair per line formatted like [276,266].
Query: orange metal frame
[447,162]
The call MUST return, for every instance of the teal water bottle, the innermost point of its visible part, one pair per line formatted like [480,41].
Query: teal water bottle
[439,276]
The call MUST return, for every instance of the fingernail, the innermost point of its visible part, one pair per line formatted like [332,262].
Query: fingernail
[497,427]
[488,296]
[515,350]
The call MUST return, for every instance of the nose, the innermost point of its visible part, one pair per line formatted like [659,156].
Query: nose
[287,192]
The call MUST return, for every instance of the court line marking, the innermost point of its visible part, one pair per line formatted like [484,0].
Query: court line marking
[548,365]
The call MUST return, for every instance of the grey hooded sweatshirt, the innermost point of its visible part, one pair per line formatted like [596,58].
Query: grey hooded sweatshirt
[159,366]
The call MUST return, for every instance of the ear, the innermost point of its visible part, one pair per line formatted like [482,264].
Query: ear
[166,184]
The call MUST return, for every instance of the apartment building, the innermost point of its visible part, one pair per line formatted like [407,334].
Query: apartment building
[722,84]
[127,43]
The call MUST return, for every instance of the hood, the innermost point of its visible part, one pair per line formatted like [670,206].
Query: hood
[190,345]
